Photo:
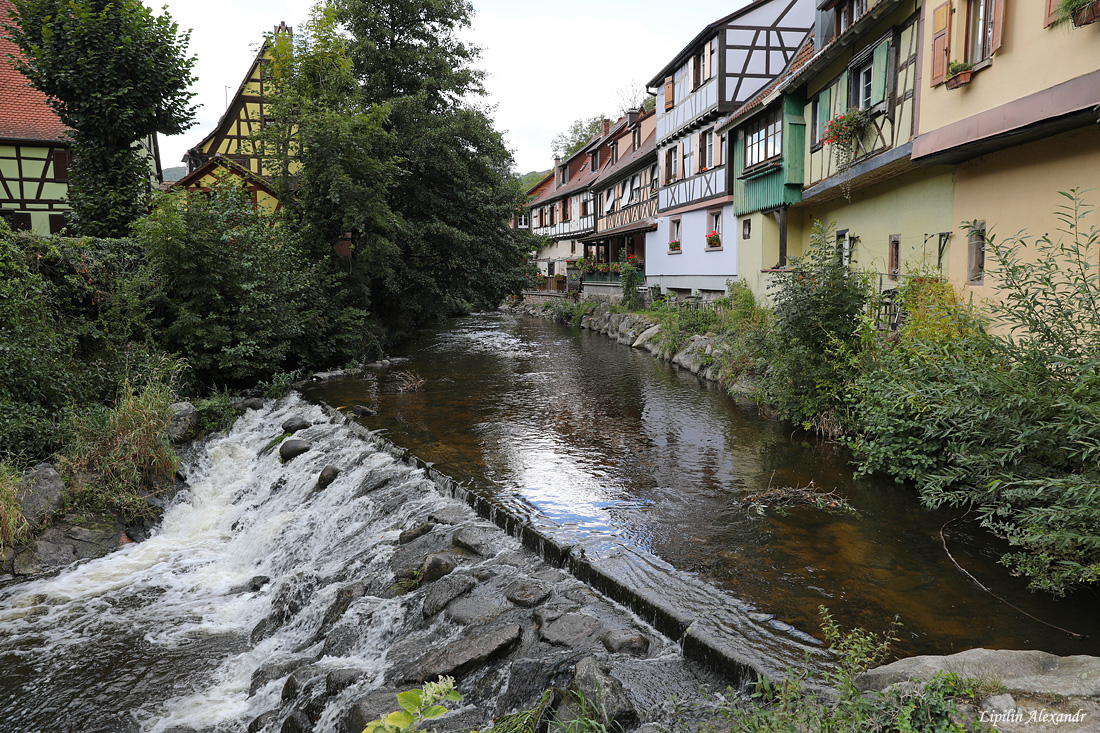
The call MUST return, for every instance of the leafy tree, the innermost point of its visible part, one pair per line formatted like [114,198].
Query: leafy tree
[527,180]
[114,73]
[576,137]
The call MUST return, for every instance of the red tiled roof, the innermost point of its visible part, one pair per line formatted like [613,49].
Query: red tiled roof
[24,113]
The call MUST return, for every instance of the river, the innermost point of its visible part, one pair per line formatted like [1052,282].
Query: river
[589,437]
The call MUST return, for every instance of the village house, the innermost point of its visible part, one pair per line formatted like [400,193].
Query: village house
[1017,128]
[723,67]
[230,149]
[34,153]
[564,211]
[626,203]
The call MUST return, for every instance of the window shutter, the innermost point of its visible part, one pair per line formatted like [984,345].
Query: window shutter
[879,68]
[1052,13]
[824,110]
[998,26]
[941,27]
[61,163]
[668,93]
[843,100]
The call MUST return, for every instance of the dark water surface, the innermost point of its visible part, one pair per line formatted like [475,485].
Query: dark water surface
[591,438]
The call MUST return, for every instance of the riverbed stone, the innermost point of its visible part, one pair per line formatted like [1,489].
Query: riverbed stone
[264,722]
[1005,665]
[527,593]
[292,448]
[295,423]
[291,596]
[363,411]
[440,594]
[272,671]
[340,641]
[347,595]
[1002,704]
[39,494]
[40,556]
[328,475]
[416,532]
[297,722]
[372,706]
[252,585]
[183,420]
[625,641]
[482,541]
[475,609]
[339,680]
[252,403]
[571,629]
[693,357]
[595,693]
[300,680]
[458,657]
[436,566]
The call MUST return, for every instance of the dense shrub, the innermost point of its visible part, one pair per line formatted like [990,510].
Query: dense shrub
[819,304]
[1004,422]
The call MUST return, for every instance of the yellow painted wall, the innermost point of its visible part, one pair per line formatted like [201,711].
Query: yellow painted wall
[761,250]
[25,188]
[1033,58]
[917,206]
[265,202]
[1017,189]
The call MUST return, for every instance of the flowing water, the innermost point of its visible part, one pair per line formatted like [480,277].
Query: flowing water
[599,446]
[157,634]
[589,439]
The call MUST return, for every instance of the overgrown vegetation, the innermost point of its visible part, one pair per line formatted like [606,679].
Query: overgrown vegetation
[13,526]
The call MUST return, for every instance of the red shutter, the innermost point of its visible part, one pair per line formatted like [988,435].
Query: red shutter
[1052,13]
[998,26]
[941,27]
[668,93]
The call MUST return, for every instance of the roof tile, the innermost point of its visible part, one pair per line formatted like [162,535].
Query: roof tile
[24,112]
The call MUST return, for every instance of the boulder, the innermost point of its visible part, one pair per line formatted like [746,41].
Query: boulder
[340,641]
[572,630]
[347,595]
[40,556]
[183,420]
[264,722]
[300,680]
[328,475]
[693,357]
[440,594]
[478,540]
[255,583]
[471,609]
[297,722]
[436,566]
[459,657]
[595,694]
[339,680]
[1005,665]
[527,593]
[646,336]
[453,514]
[252,403]
[625,641]
[363,411]
[415,533]
[274,670]
[39,494]
[291,597]
[294,424]
[371,706]
[292,448]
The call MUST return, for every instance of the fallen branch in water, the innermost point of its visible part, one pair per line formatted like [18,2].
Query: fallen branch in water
[408,381]
[781,497]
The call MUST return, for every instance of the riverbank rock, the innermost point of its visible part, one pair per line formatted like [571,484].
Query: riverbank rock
[292,448]
[328,475]
[251,403]
[595,694]
[294,424]
[1041,691]
[40,556]
[183,421]
[40,494]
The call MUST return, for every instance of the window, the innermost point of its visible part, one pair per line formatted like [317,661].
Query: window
[636,141]
[698,74]
[635,188]
[763,139]
[594,158]
[614,151]
[57,223]
[707,150]
[563,175]
[670,165]
[608,201]
[848,12]
[524,221]
[975,246]
[713,58]
[566,209]
[979,35]
[624,194]
[584,208]
[862,86]
[553,213]
[714,226]
[746,228]
[815,124]
[674,233]
[573,248]
[687,154]
[893,266]
[844,248]
[653,181]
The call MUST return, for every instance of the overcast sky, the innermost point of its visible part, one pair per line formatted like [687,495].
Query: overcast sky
[548,63]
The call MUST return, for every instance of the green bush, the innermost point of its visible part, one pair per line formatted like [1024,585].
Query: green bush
[1005,423]
[819,304]
[13,526]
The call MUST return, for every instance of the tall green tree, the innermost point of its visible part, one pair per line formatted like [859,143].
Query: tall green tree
[576,137]
[455,195]
[115,74]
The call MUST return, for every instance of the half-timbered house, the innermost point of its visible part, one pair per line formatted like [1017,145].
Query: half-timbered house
[625,197]
[564,212]
[219,169]
[1017,128]
[890,213]
[724,66]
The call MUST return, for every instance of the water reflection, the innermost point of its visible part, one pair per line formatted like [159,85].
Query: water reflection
[595,439]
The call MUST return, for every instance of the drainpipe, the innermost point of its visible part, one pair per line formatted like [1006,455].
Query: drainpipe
[781,216]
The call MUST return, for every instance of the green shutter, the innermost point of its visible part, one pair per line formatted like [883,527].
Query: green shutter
[842,101]
[878,72]
[824,110]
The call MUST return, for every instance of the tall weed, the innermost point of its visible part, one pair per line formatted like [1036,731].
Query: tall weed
[13,526]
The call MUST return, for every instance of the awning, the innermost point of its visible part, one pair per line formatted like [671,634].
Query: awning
[636,227]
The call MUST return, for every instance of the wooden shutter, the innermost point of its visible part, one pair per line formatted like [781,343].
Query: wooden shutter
[1052,13]
[57,223]
[941,28]
[998,26]
[879,68]
[668,93]
[20,220]
[61,162]
[824,111]
[844,101]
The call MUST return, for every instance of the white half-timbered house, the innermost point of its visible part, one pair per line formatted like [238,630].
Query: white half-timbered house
[724,66]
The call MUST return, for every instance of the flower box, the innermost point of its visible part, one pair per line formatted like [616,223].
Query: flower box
[960,79]
[714,239]
[674,245]
[1088,14]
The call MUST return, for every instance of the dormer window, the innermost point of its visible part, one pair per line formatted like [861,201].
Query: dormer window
[637,139]
[594,159]
[848,12]
[563,175]
[614,152]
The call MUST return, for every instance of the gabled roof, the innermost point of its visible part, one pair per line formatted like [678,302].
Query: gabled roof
[630,162]
[220,161]
[24,112]
[764,96]
[584,177]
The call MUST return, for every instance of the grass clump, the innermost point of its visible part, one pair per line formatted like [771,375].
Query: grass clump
[13,526]
[217,411]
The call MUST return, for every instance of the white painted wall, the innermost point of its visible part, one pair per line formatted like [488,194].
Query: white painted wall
[693,268]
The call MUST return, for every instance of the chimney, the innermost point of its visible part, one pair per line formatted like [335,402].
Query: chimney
[632,116]
[606,125]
